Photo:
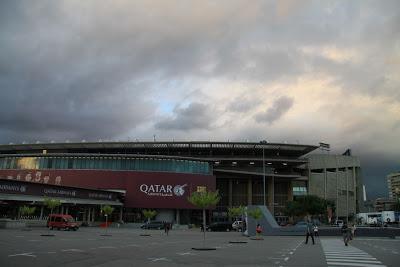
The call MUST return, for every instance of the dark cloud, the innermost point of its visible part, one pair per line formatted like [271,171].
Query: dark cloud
[243,104]
[194,116]
[94,69]
[276,111]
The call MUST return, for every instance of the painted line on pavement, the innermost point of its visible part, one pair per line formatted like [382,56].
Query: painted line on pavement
[27,254]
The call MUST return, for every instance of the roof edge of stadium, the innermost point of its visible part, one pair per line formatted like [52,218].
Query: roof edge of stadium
[85,143]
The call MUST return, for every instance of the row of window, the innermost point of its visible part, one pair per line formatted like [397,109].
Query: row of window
[104,163]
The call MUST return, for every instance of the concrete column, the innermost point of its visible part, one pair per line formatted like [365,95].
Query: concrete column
[249,192]
[93,214]
[270,193]
[88,214]
[325,182]
[177,218]
[290,191]
[355,188]
[230,193]
[41,213]
[337,189]
[347,196]
[66,209]
[62,209]
[121,210]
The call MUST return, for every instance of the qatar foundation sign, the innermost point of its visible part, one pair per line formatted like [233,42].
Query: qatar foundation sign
[160,190]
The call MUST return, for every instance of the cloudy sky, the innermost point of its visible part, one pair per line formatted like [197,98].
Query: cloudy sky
[287,71]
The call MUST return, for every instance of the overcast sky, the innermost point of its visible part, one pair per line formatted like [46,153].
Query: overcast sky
[287,71]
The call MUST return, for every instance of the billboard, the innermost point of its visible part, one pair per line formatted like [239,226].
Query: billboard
[143,189]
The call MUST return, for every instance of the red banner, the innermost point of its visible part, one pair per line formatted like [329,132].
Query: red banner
[143,189]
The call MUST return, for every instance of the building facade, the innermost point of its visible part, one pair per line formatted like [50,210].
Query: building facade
[393,181]
[337,178]
[161,175]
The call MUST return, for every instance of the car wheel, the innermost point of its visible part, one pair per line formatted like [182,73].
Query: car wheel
[75,228]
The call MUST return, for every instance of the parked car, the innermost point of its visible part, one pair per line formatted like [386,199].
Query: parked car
[153,225]
[220,226]
[238,226]
[62,221]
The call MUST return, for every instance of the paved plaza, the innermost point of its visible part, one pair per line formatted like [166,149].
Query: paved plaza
[126,247]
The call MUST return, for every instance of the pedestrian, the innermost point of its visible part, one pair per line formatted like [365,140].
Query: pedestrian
[166,227]
[353,231]
[316,234]
[346,232]
[309,232]
[258,230]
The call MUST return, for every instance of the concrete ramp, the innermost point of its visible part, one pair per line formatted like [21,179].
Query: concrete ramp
[269,224]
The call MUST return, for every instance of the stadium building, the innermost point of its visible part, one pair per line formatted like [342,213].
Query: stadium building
[161,175]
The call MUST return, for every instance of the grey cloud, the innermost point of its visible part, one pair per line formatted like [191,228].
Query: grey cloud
[243,104]
[194,116]
[276,111]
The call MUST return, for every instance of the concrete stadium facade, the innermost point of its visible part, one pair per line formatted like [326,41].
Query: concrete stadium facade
[161,175]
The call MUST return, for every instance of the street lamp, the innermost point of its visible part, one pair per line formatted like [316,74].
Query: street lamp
[263,142]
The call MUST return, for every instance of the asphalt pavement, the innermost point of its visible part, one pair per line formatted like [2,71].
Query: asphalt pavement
[126,247]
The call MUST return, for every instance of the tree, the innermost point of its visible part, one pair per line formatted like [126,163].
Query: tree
[51,203]
[26,211]
[148,214]
[107,210]
[307,205]
[204,200]
[256,214]
[236,212]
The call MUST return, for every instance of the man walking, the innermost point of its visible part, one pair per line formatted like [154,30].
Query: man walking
[346,232]
[309,232]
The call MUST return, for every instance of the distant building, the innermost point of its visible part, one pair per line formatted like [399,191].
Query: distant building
[337,178]
[393,181]
[384,204]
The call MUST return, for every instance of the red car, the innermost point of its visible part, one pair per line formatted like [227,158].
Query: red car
[62,221]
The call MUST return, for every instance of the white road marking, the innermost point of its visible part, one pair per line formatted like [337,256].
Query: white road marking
[72,250]
[337,254]
[185,253]
[286,259]
[107,247]
[27,254]
[159,259]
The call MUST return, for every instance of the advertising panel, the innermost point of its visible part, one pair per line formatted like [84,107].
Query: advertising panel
[143,189]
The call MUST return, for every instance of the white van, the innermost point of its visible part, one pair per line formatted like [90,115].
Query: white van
[339,223]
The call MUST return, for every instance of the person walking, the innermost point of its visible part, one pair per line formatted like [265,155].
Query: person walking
[346,232]
[166,227]
[316,234]
[353,231]
[309,232]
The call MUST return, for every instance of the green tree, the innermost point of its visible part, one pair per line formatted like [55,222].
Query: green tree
[236,212]
[107,211]
[256,214]
[51,203]
[204,200]
[307,205]
[26,210]
[149,214]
